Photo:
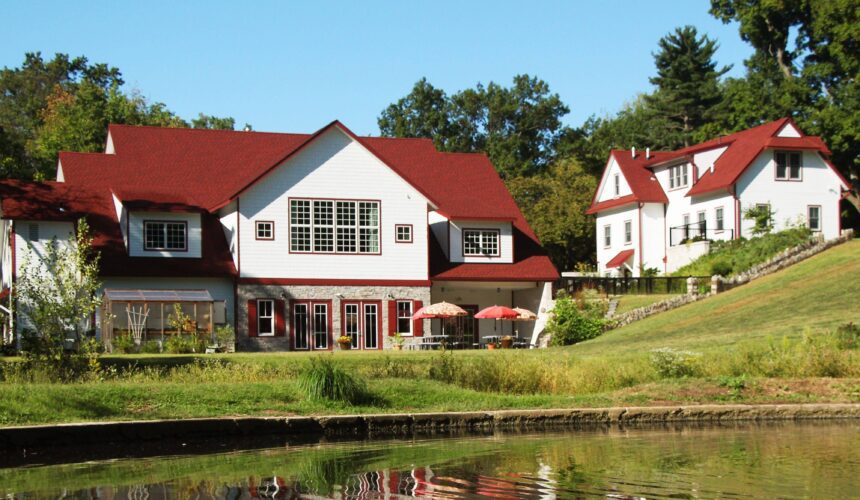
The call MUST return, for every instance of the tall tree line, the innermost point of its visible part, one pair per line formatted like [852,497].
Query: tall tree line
[552,169]
[64,103]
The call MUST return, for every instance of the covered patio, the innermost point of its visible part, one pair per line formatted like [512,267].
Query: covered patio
[146,314]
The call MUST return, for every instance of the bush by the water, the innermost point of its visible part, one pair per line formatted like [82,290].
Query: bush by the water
[576,319]
[672,363]
[731,257]
[322,379]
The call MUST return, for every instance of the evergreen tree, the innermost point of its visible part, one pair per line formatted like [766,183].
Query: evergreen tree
[687,82]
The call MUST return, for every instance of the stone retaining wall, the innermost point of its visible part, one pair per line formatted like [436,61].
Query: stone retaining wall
[719,284]
[104,433]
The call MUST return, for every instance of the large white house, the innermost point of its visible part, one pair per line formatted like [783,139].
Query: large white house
[295,239]
[658,210]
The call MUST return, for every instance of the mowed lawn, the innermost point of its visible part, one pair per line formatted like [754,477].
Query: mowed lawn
[819,293]
[628,303]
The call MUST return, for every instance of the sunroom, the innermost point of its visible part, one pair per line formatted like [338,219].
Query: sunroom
[148,315]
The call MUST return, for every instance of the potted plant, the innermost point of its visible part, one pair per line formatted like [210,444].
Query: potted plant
[397,342]
[491,346]
[344,342]
[507,342]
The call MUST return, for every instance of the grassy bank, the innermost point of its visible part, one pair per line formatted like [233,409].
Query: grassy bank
[627,303]
[779,339]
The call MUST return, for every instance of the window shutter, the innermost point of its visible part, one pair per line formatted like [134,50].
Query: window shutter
[392,317]
[280,325]
[417,324]
[252,318]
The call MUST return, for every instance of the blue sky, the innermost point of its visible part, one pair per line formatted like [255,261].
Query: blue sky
[295,66]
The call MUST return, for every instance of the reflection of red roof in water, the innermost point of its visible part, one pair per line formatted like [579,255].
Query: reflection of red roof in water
[192,170]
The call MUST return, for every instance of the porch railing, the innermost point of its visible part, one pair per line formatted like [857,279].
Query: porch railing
[697,231]
[631,286]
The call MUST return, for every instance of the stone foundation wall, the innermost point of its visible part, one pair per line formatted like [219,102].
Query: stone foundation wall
[334,293]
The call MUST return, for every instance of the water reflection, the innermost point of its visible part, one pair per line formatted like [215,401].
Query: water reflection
[777,460]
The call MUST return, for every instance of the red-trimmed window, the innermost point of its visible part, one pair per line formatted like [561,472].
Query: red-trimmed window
[788,165]
[403,233]
[482,242]
[334,226]
[265,230]
[265,318]
[165,235]
[404,317]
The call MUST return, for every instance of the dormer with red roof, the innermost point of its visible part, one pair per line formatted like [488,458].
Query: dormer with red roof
[659,210]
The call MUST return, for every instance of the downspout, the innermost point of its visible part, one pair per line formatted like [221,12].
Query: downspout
[641,260]
[737,213]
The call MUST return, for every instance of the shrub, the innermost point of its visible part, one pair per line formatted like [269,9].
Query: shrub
[721,267]
[444,368]
[672,363]
[124,343]
[323,380]
[182,344]
[150,347]
[847,336]
[225,336]
[577,320]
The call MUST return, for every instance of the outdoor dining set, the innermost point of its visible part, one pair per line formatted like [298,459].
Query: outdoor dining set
[458,340]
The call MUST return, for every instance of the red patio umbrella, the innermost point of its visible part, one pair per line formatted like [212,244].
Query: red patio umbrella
[497,312]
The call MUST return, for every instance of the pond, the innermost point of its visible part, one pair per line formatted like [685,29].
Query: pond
[789,460]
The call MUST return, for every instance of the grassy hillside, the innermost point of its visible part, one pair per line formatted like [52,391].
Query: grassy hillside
[819,293]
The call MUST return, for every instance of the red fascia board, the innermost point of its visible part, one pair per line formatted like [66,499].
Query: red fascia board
[838,173]
[466,217]
[615,203]
[331,282]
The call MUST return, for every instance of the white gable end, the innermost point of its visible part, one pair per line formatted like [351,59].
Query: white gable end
[788,130]
[333,167]
[613,178]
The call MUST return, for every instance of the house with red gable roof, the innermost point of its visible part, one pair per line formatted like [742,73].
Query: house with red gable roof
[659,210]
[294,239]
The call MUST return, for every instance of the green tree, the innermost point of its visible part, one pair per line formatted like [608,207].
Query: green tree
[554,204]
[687,82]
[56,298]
[518,126]
[213,122]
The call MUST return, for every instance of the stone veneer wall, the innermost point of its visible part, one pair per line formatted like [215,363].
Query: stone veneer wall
[304,292]
[719,284]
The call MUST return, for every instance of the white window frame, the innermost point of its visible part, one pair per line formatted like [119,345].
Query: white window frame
[788,156]
[261,227]
[607,235]
[261,317]
[484,242]
[351,227]
[679,176]
[719,219]
[164,224]
[617,185]
[628,232]
[403,233]
[408,317]
[809,218]
[702,223]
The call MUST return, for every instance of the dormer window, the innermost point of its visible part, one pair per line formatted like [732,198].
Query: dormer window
[165,235]
[678,176]
[481,242]
[788,165]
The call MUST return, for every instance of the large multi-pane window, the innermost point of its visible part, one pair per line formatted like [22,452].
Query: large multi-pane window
[334,226]
[788,165]
[678,176]
[165,235]
[310,324]
[481,242]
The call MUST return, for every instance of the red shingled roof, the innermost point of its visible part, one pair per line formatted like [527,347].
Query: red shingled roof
[619,259]
[172,169]
[741,149]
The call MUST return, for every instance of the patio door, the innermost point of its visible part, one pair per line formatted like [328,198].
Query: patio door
[361,323]
[310,324]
